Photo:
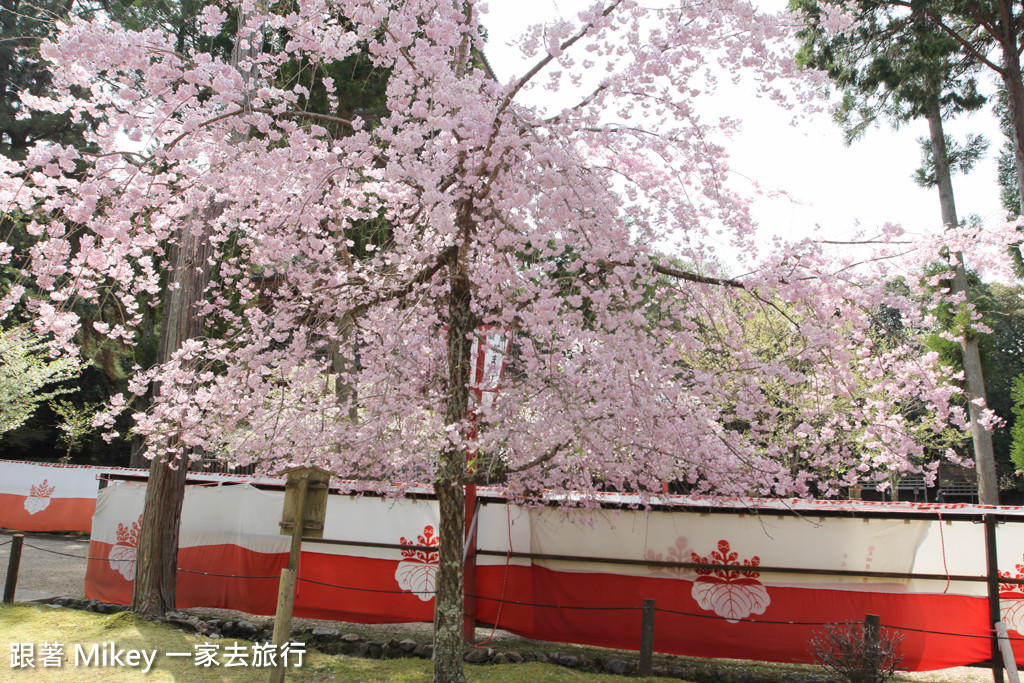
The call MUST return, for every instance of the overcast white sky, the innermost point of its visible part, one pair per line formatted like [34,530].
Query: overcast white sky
[837,187]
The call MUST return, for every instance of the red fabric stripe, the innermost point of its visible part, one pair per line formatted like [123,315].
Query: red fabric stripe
[383,601]
[255,596]
[706,637]
[389,605]
[61,514]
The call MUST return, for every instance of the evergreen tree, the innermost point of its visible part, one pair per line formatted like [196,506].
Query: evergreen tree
[896,66]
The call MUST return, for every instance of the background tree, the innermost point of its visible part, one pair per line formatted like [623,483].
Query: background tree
[26,370]
[897,66]
[76,423]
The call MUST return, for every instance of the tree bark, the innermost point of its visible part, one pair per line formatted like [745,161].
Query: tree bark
[1011,76]
[974,380]
[157,555]
[345,368]
[451,475]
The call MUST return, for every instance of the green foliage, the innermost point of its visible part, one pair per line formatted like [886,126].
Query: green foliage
[26,370]
[1009,184]
[23,25]
[961,157]
[890,65]
[1002,351]
[75,425]
[1017,430]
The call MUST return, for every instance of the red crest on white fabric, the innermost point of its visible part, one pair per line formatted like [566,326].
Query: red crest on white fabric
[1011,599]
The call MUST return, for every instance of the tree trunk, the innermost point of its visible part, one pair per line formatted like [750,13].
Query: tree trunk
[345,368]
[974,380]
[157,556]
[450,481]
[1011,75]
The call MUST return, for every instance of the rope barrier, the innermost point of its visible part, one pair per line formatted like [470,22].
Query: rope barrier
[746,621]
[180,569]
[365,590]
[541,605]
[938,633]
[57,552]
[226,576]
[503,601]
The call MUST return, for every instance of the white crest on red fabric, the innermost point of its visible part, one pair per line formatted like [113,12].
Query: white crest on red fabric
[418,566]
[731,593]
[39,497]
[122,554]
[1011,599]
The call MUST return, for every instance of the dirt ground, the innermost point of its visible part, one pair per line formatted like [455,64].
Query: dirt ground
[54,565]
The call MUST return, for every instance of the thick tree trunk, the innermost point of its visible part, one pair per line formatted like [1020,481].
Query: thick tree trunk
[451,475]
[157,555]
[345,367]
[974,380]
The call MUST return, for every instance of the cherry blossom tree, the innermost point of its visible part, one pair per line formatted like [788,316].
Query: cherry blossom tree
[502,211]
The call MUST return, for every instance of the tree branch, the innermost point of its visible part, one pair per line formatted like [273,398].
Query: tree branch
[540,459]
[694,277]
[567,43]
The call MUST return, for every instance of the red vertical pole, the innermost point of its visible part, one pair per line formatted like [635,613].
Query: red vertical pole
[469,566]
[481,384]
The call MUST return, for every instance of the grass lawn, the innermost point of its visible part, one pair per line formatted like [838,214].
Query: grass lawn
[38,624]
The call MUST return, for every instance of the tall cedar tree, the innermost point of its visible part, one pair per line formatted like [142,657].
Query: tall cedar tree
[896,66]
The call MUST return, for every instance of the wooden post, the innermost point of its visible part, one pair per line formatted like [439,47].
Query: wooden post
[13,562]
[305,508]
[646,639]
[1009,661]
[286,587]
[993,593]
[872,637]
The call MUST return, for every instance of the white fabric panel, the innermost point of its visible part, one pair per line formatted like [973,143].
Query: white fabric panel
[118,504]
[496,525]
[238,515]
[776,541]
[68,481]
[953,547]
[372,519]
[1010,547]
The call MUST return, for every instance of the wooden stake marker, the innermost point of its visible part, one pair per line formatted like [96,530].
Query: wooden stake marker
[305,509]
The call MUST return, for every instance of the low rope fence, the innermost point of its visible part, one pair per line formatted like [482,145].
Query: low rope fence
[648,608]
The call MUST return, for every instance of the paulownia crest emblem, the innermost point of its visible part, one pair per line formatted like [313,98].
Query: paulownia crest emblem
[677,552]
[122,554]
[1011,599]
[418,566]
[731,593]
[39,497]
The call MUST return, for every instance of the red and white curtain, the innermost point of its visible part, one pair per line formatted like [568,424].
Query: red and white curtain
[233,552]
